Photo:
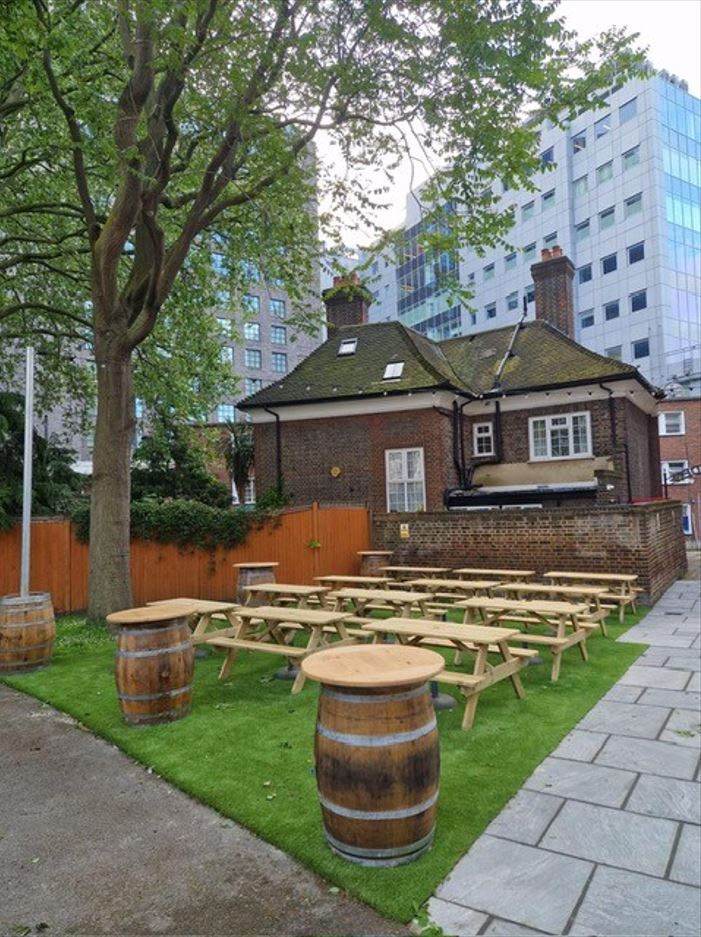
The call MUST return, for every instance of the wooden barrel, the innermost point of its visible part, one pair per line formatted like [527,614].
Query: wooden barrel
[377,766]
[27,632]
[372,561]
[250,574]
[154,669]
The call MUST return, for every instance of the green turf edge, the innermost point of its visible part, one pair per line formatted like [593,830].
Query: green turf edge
[481,785]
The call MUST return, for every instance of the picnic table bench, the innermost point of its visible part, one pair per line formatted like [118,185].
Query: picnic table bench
[279,592]
[555,615]
[200,613]
[359,582]
[401,602]
[411,572]
[266,627]
[520,574]
[621,591]
[477,639]
[448,591]
[590,594]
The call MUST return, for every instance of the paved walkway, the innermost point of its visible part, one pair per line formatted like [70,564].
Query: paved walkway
[91,843]
[604,838]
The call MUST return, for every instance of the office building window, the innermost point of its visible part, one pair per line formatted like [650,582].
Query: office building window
[510,261]
[483,439]
[584,273]
[278,308]
[226,413]
[512,301]
[224,325]
[251,331]
[529,253]
[638,301]
[579,142]
[633,205]
[615,352]
[473,318]
[280,362]
[609,264]
[471,278]
[586,319]
[278,334]
[581,231]
[530,294]
[251,385]
[675,468]
[404,470]
[671,423]
[631,158]
[641,348]
[547,156]
[251,305]
[489,272]
[607,218]
[580,186]
[628,110]
[527,211]
[636,253]
[612,310]
[548,199]
[227,354]
[561,436]
[491,310]
[252,358]
[603,126]
[604,172]
[222,297]
[687,523]
[550,240]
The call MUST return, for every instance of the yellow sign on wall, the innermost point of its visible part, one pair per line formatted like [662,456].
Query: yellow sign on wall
[404,532]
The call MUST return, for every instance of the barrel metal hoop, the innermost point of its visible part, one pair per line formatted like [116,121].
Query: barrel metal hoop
[414,693]
[22,650]
[170,649]
[399,814]
[26,624]
[408,850]
[376,741]
[144,697]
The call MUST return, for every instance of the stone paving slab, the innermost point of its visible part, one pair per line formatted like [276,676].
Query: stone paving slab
[501,928]
[675,699]
[687,861]
[667,797]
[623,694]
[595,784]
[683,728]
[663,758]
[454,919]
[513,881]
[632,905]
[658,677]
[694,685]
[613,837]
[580,745]
[690,661]
[526,817]
[645,722]
[656,638]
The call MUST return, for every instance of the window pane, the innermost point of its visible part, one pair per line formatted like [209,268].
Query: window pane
[277,308]
[602,127]
[609,264]
[527,211]
[413,464]
[489,272]
[251,331]
[579,142]
[585,273]
[641,348]
[607,218]
[612,310]
[396,496]
[491,310]
[628,110]
[547,156]
[581,231]
[510,261]
[550,239]
[529,253]
[638,301]
[631,158]
[580,187]
[559,441]
[633,205]
[278,336]
[512,301]
[586,319]
[279,362]
[540,439]
[395,466]
[580,437]
[615,352]
[414,496]
[253,358]
[605,172]
[636,253]
[251,305]
[548,199]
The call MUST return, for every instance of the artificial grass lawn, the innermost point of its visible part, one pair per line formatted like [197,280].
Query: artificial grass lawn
[246,749]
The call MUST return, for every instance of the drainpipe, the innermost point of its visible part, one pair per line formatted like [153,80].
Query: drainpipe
[614,438]
[278,449]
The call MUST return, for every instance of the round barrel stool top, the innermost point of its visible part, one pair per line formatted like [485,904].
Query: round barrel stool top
[375,665]
[255,565]
[375,552]
[149,615]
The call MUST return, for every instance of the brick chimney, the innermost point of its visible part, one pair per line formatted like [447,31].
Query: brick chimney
[554,300]
[347,301]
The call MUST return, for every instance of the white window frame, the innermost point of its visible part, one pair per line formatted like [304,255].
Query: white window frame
[393,371]
[687,520]
[548,426]
[404,452]
[667,472]
[477,436]
[662,420]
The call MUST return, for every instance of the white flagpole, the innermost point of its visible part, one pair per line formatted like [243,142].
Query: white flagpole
[27,475]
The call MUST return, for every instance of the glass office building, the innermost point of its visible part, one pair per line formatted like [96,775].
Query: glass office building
[620,193]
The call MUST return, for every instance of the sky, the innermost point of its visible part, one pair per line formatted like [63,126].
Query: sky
[671,29]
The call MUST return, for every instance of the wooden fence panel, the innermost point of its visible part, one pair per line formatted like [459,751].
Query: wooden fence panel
[306,542]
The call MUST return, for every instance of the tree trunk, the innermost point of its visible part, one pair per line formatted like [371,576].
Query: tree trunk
[109,582]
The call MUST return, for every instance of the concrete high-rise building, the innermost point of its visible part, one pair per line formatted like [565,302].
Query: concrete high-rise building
[620,193]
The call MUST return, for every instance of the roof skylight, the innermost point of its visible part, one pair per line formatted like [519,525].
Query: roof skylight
[393,370]
[348,346]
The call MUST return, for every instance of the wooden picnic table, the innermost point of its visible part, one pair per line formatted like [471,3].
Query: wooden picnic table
[590,594]
[448,588]
[359,582]
[410,572]
[200,613]
[402,602]
[266,627]
[476,639]
[495,573]
[554,615]
[620,588]
[276,592]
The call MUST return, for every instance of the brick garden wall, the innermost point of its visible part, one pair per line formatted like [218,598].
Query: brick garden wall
[641,539]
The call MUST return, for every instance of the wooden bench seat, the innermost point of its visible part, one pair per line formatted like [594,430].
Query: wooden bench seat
[287,650]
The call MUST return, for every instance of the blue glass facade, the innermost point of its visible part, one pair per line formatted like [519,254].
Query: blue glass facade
[681,155]
[422,276]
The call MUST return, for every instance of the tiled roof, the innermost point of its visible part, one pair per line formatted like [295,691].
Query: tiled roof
[541,356]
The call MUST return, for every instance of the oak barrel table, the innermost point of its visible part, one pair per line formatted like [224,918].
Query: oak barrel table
[154,664]
[371,561]
[377,754]
[251,574]
[27,632]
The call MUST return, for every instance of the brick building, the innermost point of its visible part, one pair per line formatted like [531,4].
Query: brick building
[519,416]
[680,451]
